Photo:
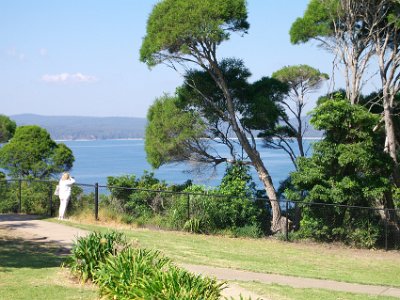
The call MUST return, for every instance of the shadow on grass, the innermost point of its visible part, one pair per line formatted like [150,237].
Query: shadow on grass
[19,253]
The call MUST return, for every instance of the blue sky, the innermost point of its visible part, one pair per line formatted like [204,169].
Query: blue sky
[81,57]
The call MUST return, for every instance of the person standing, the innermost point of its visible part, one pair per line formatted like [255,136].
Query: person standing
[65,186]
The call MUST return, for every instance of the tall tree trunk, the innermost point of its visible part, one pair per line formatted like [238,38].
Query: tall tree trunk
[263,174]
[390,146]
[252,152]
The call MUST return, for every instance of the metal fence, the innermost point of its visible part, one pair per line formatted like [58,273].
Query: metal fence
[37,196]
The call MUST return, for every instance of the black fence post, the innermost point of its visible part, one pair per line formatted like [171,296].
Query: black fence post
[386,229]
[96,201]
[20,195]
[287,221]
[50,199]
[188,206]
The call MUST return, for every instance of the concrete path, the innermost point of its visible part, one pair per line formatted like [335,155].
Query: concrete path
[65,235]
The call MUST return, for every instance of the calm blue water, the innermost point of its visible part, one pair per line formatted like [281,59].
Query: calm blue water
[95,160]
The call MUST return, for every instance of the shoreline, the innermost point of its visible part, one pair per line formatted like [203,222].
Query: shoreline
[142,139]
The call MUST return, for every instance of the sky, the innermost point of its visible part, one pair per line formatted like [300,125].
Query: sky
[81,57]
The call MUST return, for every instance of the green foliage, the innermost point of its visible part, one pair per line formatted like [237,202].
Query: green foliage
[34,197]
[316,22]
[7,128]
[143,202]
[365,235]
[191,211]
[231,205]
[301,77]
[256,103]
[128,194]
[9,196]
[32,153]
[144,274]
[127,272]
[121,188]
[251,231]
[347,167]
[88,252]
[170,132]
[240,207]
[193,225]
[177,26]
[196,209]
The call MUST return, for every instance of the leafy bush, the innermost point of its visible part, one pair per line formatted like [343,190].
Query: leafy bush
[34,196]
[193,225]
[365,236]
[239,207]
[195,204]
[145,274]
[252,231]
[88,252]
[9,197]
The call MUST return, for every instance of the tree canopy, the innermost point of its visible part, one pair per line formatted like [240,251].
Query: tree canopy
[32,153]
[7,128]
[176,28]
[316,22]
[300,81]
[171,133]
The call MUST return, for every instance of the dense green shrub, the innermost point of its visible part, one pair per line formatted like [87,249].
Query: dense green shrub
[136,196]
[144,274]
[88,252]
[193,208]
[9,196]
[252,231]
[348,168]
[365,236]
[33,195]
[240,206]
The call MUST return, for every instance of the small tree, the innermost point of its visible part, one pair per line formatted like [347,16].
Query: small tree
[301,80]
[348,168]
[32,153]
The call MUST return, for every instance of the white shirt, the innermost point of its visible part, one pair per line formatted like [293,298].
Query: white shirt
[65,187]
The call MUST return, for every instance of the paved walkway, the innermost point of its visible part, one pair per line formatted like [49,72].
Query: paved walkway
[65,235]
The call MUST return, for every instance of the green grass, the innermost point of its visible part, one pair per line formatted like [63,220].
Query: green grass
[273,256]
[284,292]
[31,270]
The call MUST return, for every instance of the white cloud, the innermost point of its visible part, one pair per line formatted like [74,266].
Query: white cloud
[68,78]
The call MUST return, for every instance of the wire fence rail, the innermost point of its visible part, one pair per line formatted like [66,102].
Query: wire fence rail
[37,196]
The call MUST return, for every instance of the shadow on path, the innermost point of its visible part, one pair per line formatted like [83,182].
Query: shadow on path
[16,252]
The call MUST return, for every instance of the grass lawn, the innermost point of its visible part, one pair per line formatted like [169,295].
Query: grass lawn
[283,292]
[272,256]
[31,270]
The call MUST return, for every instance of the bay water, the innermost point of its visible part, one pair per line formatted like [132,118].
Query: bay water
[95,160]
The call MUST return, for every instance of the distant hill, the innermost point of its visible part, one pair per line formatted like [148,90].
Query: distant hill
[98,128]
[85,128]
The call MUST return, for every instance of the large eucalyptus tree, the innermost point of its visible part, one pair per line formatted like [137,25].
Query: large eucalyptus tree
[188,33]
